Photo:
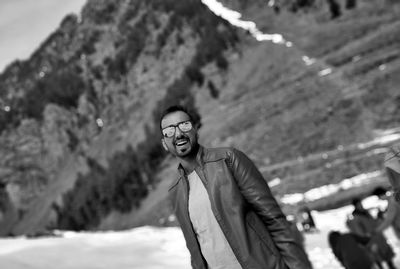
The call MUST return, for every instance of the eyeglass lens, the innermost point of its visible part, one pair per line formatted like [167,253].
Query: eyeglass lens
[185,126]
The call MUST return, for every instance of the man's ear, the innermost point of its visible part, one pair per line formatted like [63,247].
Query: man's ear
[164,145]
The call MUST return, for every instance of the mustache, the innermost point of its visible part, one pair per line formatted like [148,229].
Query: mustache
[181,137]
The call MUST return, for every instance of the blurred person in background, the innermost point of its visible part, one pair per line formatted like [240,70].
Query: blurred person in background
[392,215]
[228,216]
[307,220]
[363,224]
[351,251]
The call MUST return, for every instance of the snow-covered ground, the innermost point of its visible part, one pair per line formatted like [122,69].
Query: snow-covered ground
[142,248]
[148,247]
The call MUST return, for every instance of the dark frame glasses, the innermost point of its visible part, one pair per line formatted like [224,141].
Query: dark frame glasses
[184,126]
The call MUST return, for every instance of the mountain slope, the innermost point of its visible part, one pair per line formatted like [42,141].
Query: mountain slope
[91,93]
[301,117]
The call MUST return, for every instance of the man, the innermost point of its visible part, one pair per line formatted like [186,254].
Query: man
[228,216]
[363,224]
[392,216]
[350,250]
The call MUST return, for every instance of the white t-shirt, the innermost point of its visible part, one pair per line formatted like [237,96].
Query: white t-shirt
[214,246]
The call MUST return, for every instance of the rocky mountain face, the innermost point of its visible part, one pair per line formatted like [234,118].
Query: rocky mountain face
[93,90]
[79,120]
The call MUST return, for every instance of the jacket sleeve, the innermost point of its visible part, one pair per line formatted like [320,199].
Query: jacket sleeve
[389,217]
[257,193]
[356,226]
[364,240]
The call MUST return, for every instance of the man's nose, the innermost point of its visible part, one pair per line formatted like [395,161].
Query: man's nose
[178,132]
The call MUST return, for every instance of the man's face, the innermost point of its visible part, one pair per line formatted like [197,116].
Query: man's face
[181,144]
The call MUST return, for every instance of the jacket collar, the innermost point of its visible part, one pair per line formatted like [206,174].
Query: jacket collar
[199,161]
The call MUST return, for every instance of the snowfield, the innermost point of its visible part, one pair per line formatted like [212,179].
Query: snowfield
[148,247]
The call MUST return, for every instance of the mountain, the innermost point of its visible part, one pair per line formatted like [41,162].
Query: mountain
[91,95]
[79,129]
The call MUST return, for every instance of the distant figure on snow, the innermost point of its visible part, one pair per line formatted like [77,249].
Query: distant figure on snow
[392,215]
[363,224]
[228,216]
[350,250]
[307,220]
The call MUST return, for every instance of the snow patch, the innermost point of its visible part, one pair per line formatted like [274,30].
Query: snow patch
[326,190]
[234,18]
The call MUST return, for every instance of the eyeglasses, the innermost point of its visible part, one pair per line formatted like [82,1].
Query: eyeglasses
[184,126]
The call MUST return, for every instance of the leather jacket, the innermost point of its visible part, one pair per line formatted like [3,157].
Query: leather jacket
[248,214]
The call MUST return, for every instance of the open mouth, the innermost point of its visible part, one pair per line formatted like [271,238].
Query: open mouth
[181,142]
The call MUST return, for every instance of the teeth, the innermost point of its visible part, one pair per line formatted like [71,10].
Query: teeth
[180,143]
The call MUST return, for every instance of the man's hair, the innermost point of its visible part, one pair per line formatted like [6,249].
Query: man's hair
[173,109]
[379,191]
[355,201]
